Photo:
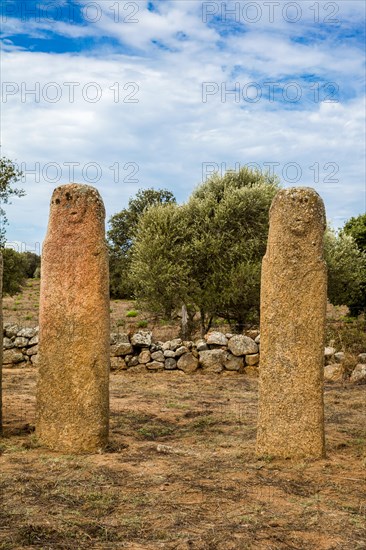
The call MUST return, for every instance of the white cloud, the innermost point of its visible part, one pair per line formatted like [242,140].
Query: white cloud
[170,133]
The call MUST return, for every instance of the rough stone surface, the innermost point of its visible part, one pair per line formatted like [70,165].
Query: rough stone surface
[158,356]
[181,350]
[242,345]
[216,338]
[120,349]
[142,339]
[155,365]
[27,332]
[33,350]
[233,363]
[8,343]
[252,360]
[12,356]
[293,308]
[170,363]
[201,345]
[362,358]
[144,357]
[73,386]
[188,363]
[20,342]
[169,353]
[334,372]
[11,330]
[358,375]
[212,360]
[175,344]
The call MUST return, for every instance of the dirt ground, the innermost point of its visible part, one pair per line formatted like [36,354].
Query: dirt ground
[180,473]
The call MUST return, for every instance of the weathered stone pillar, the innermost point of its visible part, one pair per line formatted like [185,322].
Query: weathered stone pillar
[72,391]
[1,343]
[293,309]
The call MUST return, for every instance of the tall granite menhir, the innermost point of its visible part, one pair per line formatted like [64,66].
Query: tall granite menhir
[293,309]
[72,392]
[1,342]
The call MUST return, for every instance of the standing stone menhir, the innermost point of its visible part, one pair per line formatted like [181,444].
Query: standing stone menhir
[73,384]
[1,342]
[293,309]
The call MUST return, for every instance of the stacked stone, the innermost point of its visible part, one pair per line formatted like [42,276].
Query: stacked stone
[20,346]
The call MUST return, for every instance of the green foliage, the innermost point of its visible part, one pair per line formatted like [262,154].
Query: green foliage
[33,265]
[121,236]
[142,324]
[132,313]
[346,271]
[15,265]
[206,254]
[356,228]
[9,176]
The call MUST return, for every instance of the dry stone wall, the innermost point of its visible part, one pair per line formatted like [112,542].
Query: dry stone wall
[218,353]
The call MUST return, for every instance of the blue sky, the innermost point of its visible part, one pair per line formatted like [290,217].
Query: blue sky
[132,94]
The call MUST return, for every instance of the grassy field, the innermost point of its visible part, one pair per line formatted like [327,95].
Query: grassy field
[180,473]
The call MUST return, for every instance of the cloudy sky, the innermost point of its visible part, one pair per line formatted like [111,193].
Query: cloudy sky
[134,94]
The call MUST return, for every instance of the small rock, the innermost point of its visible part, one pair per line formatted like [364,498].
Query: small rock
[201,345]
[155,365]
[252,360]
[133,362]
[169,353]
[11,330]
[32,351]
[358,375]
[158,356]
[228,335]
[175,344]
[181,350]
[329,352]
[233,363]
[188,363]
[142,339]
[34,360]
[144,357]
[212,360]
[334,373]
[8,343]
[11,356]
[258,339]
[33,341]
[120,349]
[188,344]
[20,342]
[216,338]
[170,363]
[242,345]
[339,357]
[27,332]
[362,358]
[165,346]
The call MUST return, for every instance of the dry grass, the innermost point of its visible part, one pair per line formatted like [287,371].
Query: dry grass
[180,473]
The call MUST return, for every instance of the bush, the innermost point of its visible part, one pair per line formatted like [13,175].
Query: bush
[15,269]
